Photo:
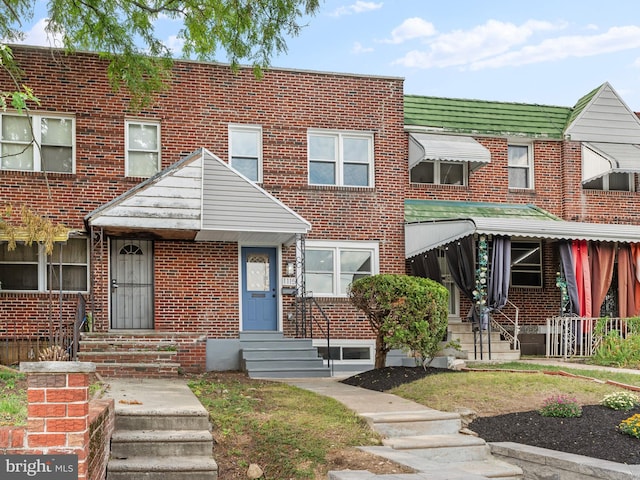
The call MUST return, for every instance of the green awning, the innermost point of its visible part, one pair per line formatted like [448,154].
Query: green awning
[430,224]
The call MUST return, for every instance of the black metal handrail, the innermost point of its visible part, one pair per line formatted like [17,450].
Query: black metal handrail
[79,325]
[305,321]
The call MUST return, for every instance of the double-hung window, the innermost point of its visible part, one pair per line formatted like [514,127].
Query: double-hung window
[330,267]
[526,263]
[29,268]
[245,150]
[340,158]
[37,143]
[520,166]
[440,173]
[142,148]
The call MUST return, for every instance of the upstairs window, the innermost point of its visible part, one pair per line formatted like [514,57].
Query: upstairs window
[245,151]
[340,158]
[520,167]
[615,181]
[439,173]
[37,143]
[142,148]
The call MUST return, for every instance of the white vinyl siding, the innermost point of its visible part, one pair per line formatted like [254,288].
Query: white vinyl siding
[340,158]
[245,151]
[37,143]
[142,140]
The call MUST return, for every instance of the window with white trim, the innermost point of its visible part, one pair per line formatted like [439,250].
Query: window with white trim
[526,263]
[340,158]
[27,267]
[245,150]
[142,149]
[520,166]
[37,143]
[440,173]
[330,267]
[346,351]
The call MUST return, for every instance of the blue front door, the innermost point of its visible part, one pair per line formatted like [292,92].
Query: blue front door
[259,289]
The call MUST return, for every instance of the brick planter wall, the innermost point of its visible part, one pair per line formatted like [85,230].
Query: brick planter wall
[61,419]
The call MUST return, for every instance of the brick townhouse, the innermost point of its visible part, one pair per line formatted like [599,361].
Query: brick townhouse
[197,224]
[547,197]
[191,219]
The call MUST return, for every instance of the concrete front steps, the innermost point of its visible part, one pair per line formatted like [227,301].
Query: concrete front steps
[131,354]
[500,349]
[271,355]
[153,444]
[430,442]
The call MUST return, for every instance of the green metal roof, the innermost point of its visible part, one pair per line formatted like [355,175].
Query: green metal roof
[428,210]
[582,103]
[485,117]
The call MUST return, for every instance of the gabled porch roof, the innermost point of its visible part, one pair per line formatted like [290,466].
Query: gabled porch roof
[200,198]
[431,224]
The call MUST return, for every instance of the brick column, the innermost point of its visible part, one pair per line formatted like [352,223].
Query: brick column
[58,410]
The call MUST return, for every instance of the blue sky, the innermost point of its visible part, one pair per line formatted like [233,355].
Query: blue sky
[546,52]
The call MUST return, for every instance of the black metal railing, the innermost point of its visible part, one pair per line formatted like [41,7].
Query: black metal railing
[306,321]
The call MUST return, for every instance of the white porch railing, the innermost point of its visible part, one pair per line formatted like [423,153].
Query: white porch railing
[507,334]
[576,336]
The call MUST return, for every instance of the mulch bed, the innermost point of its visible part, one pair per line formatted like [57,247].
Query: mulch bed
[593,434]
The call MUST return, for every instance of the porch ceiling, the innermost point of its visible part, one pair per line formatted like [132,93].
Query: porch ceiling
[423,236]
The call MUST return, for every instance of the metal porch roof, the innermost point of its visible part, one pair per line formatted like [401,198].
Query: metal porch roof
[619,157]
[431,224]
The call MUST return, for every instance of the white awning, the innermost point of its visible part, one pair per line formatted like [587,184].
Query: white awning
[603,158]
[446,148]
[424,236]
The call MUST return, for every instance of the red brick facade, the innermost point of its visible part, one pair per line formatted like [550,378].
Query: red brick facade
[196,287]
[196,283]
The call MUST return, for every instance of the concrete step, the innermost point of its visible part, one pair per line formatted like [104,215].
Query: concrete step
[271,354]
[266,372]
[161,443]
[283,363]
[152,421]
[442,448]
[285,343]
[467,337]
[260,335]
[473,469]
[124,345]
[167,468]
[499,347]
[138,370]
[506,356]
[128,356]
[415,423]
[492,468]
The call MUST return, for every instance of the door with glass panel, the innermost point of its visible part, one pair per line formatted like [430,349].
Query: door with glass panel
[259,289]
[131,284]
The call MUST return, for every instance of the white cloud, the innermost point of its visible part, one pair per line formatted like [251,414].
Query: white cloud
[359,48]
[174,44]
[465,47]
[614,40]
[411,29]
[359,7]
[38,35]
